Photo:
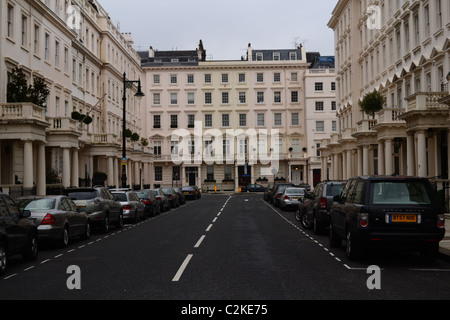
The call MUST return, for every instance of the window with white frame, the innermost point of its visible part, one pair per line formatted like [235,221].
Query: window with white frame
[242,97]
[225,97]
[260,97]
[295,119]
[242,119]
[191,98]
[225,120]
[208,120]
[208,97]
[260,122]
[158,173]
[173,98]
[320,126]
[277,119]
[277,97]
[173,78]
[319,105]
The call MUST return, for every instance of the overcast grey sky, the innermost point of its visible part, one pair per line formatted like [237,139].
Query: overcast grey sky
[225,26]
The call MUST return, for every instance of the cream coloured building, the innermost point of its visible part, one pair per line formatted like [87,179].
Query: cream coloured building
[83,62]
[402,49]
[262,91]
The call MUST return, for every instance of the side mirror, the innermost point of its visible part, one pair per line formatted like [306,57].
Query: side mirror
[26,213]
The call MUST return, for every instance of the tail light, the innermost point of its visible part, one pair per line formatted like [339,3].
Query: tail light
[286,198]
[146,201]
[323,203]
[48,219]
[158,198]
[170,196]
[278,195]
[441,221]
[126,207]
[363,219]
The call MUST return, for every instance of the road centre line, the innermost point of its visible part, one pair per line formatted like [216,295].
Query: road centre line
[199,241]
[182,268]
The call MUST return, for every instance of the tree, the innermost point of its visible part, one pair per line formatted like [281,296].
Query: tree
[372,103]
[18,89]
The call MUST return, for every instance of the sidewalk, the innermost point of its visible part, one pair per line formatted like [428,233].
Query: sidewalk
[444,245]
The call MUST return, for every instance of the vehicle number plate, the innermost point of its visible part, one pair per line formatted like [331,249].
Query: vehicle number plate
[296,198]
[403,218]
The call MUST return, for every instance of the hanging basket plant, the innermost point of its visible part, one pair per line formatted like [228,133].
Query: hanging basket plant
[134,137]
[87,119]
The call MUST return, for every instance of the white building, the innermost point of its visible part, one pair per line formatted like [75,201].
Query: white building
[401,49]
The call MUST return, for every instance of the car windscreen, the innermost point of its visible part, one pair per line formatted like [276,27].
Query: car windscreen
[400,192]
[167,191]
[335,189]
[36,204]
[143,194]
[295,191]
[82,195]
[120,196]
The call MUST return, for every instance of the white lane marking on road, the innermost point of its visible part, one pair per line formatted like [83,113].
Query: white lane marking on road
[209,227]
[182,268]
[199,242]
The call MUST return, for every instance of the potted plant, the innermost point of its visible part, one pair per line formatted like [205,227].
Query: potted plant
[18,89]
[372,103]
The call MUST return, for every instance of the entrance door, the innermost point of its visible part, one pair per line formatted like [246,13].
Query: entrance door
[245,175]
[296,176]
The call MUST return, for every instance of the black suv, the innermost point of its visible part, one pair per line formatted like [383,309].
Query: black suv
[314,210]
[18,232]
[99,203]
[396,211]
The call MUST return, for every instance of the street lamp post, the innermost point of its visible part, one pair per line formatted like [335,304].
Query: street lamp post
[139,94]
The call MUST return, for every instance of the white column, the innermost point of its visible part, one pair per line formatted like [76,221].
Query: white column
[28,164]
[90,169]
[40,178]
[344,165]
[360,161]
[410,155]
[110,171]
[388,156]
[421,154]
[335,167]
[66,168]
[74,168]
[381,159]
[116,166]
[349,164]
[137,166]
[365,160]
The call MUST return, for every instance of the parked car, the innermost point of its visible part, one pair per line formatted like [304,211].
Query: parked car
[278,191]
[162,199]
[172,196]
[394,211]
[255,188]
[99,204]
[180,195]
[57,217]
[313,211]
[132,207]
[268,192]
[147,197]
[291,197]
[18,232]
[191,192]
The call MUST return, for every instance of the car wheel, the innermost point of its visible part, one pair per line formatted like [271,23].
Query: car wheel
[352,248]
[105,226]
[334,239]
[306,224]
[31,252]
[64,241]
[87,231]
[2,258]
[297,215]
[120,221]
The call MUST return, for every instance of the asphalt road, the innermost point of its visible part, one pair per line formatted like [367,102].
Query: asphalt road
[220,247]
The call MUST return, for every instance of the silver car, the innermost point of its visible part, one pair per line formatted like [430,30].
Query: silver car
[57,217]
[291,197]
[133,208]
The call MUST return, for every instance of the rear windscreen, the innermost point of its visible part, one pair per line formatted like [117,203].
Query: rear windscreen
[120,196]
[85,195]
[36,204]
[400,192]
[335,189]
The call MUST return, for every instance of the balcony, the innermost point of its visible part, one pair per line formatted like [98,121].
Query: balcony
[22,121]
[390,115]
[426,101]
[64,125]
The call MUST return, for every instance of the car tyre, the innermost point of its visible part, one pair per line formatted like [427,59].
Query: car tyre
[297,215]
[105,226]
[119,223]
[334,239]
[64,241]
[306,224]
[352,247]
[31,252]
[87,231]
[2,258]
